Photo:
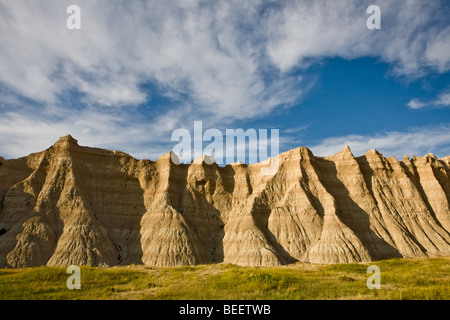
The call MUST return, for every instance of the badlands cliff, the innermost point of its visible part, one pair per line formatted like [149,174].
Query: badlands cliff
[85,206]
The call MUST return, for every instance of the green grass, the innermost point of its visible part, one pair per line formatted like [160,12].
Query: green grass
[400,279]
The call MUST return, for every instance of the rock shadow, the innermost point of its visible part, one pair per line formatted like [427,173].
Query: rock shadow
[192,198]
[352,215]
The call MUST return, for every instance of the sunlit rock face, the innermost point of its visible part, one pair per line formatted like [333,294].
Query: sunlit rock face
[86,206]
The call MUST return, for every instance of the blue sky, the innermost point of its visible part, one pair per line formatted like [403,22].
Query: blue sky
[136,72]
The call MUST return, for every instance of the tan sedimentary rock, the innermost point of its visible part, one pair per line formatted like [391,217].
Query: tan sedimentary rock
[77,205]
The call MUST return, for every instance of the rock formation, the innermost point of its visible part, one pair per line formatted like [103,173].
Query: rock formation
[85,206]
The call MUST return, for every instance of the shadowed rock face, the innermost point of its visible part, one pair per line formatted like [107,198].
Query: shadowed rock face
[85,206]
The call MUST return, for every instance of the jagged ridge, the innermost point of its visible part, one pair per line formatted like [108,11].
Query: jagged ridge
[77,205]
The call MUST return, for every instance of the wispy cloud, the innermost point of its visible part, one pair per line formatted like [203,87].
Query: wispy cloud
[416,141]
[196,51]
[114,128]
[442,100]
[413,37]
[217,61]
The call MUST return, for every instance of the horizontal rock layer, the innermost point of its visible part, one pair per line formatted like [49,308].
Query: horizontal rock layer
[85,206]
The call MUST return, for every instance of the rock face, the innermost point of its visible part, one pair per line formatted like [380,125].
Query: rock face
[85,206]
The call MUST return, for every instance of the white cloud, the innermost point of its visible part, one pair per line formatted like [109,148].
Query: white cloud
[438,50]
[214,53]
[191,52]
[192,49]
[215,61]
[416,141]
[442,100]
[322,28]
[115,129]
[416,104]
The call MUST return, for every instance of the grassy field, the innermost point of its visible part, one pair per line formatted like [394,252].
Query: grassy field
[400,279]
